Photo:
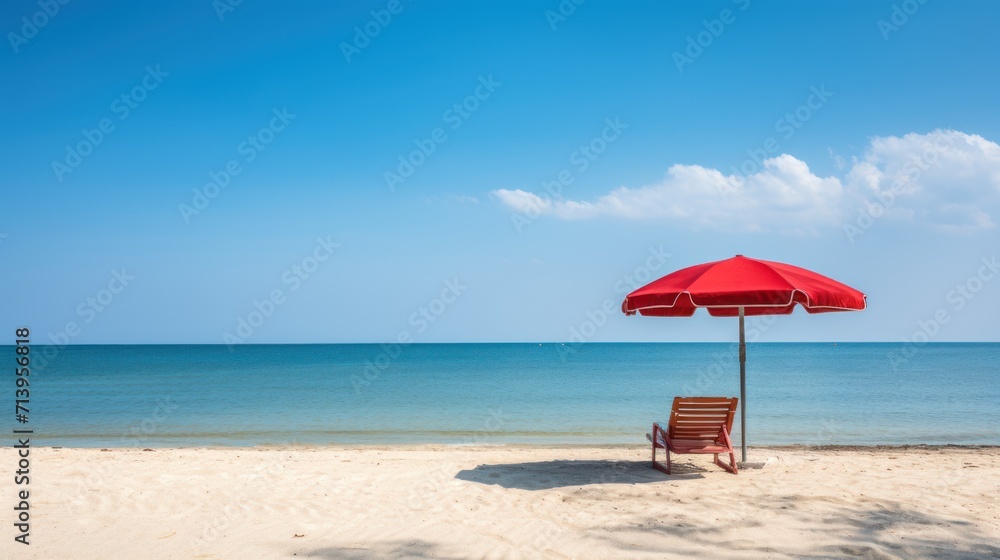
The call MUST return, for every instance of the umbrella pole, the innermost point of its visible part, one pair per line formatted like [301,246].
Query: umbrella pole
[743,387]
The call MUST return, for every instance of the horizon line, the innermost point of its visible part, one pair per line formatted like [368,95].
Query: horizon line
[562,343]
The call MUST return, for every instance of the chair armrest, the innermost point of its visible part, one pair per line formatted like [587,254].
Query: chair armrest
[657,429]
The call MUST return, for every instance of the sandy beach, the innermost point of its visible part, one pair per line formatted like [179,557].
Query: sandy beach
[508,502]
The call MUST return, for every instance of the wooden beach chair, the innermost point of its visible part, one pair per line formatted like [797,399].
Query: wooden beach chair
[697,425]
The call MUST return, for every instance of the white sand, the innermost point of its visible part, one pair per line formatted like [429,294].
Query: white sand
[505,502]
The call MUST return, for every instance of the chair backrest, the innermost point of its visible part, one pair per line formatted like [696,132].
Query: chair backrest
[701,417]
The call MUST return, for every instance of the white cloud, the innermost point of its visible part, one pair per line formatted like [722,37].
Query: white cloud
[947,179]
[522,202]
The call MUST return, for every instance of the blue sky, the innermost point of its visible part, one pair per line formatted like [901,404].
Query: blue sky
[736,127]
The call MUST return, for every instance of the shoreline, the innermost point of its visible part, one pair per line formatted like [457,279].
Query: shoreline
[530,343]
[525,446]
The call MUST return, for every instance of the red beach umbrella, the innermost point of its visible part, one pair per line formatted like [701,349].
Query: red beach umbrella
[738,287]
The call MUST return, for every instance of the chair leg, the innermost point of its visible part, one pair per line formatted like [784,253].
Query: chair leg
[657,465]
[731,467]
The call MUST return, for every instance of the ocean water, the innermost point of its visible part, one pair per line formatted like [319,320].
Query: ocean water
[201,395]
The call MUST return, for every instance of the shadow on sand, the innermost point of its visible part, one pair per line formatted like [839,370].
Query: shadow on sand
[413,549]
[873,535]
[561,474]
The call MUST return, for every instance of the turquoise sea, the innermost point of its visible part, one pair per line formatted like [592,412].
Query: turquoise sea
[204,395]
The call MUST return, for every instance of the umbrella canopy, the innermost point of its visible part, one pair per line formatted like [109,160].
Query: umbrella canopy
[738,287]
